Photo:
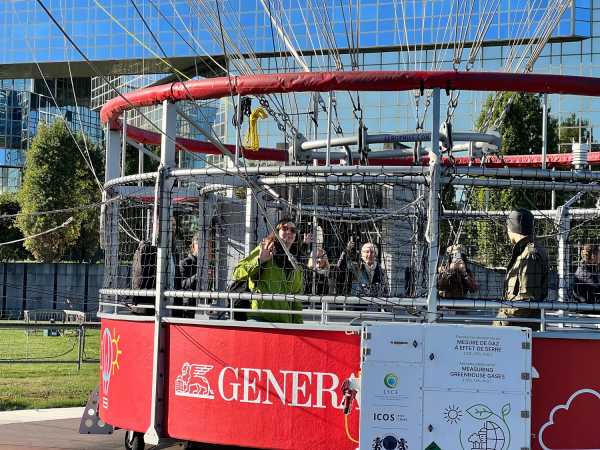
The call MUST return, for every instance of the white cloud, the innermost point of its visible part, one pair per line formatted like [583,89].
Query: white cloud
[565,406]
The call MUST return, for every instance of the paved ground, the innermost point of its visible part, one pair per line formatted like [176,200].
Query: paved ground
[54,429]
[58,429]
[55,434]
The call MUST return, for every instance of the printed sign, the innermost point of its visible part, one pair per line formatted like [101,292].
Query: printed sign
[389,403]
[468,392]
[126,373]
[261,387]
[477,357]
[475,420]
[280,383]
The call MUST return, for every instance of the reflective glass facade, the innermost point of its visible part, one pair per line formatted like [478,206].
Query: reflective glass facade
[549,36]
[112,29]
[24,104]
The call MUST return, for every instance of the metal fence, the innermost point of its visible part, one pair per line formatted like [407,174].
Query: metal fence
[335,216]
[49,342]
[49,286]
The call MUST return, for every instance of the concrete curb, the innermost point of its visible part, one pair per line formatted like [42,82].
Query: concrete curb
[39,415]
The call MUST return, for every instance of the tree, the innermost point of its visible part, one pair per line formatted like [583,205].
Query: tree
[9,207]
[56,177]
[520,118]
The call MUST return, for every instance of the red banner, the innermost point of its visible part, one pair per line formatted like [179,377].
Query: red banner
[126,373]
[261,387]
[566,396]
[280,388]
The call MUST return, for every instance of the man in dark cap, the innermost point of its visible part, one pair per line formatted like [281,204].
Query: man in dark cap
[527,272]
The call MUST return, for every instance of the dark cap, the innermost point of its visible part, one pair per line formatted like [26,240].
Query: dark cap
[520,221]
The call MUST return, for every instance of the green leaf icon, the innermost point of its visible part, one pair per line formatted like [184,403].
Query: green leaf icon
[505,410]
[480,412]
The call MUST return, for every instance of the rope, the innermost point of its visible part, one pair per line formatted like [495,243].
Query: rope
[32,236]
[348,435]
[251,141]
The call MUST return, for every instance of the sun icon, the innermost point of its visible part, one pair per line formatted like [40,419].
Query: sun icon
[117,352]
[452,414]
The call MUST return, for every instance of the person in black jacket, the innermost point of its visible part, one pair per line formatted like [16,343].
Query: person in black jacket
[188,277]
[320,272]
[587,278]
[368,277]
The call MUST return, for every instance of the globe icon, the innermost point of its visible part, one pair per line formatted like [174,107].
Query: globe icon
[391,380]
[489,437]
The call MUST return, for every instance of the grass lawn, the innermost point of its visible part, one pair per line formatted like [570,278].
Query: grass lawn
[45,385]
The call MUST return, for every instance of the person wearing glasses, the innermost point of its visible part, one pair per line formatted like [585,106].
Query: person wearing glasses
[272,268]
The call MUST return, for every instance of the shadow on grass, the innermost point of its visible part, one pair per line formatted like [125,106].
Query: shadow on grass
[9,404]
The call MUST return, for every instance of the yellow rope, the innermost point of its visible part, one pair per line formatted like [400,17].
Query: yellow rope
[251,140]
[347,430]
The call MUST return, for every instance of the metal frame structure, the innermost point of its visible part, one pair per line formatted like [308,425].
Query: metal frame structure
[435,176]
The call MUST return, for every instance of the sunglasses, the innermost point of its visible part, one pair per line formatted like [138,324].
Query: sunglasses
[289,228]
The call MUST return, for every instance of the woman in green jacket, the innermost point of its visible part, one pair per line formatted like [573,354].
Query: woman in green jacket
[268,270]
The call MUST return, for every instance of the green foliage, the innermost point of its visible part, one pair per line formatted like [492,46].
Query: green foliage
[520,127]
[493,247]
[521,124]
[57,177]
[131,162]
[9,206]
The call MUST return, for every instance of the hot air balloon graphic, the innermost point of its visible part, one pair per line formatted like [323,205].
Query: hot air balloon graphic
[109,361]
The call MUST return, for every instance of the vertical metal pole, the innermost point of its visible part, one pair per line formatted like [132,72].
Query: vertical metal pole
[140,162]
[328,154]
[238,140]
[124,144]
[545,132]
[433,210]
[113,153]
[250,223]
[83,341]
[163,231]
[564,224]
[110,231]
[315,199]
[79,346]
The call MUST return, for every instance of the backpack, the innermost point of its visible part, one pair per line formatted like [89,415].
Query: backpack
[143,270]
[240,286]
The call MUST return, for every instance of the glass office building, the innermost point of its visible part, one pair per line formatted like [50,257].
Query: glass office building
[25,104]
[136,43]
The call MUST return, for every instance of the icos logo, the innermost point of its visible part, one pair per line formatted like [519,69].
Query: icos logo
[384,416]
[109,360]
[389,442]
[391,380]
[191,382]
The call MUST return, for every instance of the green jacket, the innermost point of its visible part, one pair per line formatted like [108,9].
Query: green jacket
[527,272]
[269,278]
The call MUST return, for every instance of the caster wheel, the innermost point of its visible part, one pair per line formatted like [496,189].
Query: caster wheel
[134,440]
